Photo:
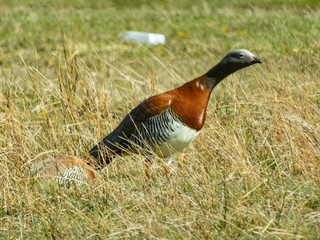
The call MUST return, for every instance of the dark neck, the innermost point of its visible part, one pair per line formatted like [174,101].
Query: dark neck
[218,73]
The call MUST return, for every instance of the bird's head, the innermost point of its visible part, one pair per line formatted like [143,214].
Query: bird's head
[240,58]
[231,63]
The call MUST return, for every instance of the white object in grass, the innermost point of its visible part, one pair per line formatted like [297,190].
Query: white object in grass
[144,37]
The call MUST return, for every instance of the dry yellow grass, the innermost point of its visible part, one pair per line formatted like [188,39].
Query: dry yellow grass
[253,172]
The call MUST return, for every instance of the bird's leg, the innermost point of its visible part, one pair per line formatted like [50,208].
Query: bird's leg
[148,165]
[167,168]
[167,171]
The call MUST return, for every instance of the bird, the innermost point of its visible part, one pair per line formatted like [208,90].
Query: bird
[166,123]
[64,170]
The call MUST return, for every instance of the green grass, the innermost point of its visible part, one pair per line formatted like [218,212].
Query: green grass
[67,80]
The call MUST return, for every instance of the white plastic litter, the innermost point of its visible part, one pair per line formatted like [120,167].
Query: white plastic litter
[144,37]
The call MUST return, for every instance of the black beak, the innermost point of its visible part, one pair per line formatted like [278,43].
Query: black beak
[256,60]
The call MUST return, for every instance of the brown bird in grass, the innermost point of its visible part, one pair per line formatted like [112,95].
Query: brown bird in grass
[168,122]
[65,170]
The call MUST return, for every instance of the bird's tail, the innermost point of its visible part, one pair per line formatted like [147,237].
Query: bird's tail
[102,154]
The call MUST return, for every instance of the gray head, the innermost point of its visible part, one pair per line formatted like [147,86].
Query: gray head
[240,58]
[231,63]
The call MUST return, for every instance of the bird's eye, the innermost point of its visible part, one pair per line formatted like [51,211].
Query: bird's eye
[241,55]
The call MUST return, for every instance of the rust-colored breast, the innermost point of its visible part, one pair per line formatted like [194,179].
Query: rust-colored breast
[190,103]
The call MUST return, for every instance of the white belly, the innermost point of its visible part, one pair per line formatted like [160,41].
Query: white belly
[177,140]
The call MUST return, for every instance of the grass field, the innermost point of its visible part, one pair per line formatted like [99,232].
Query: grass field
[67,80]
